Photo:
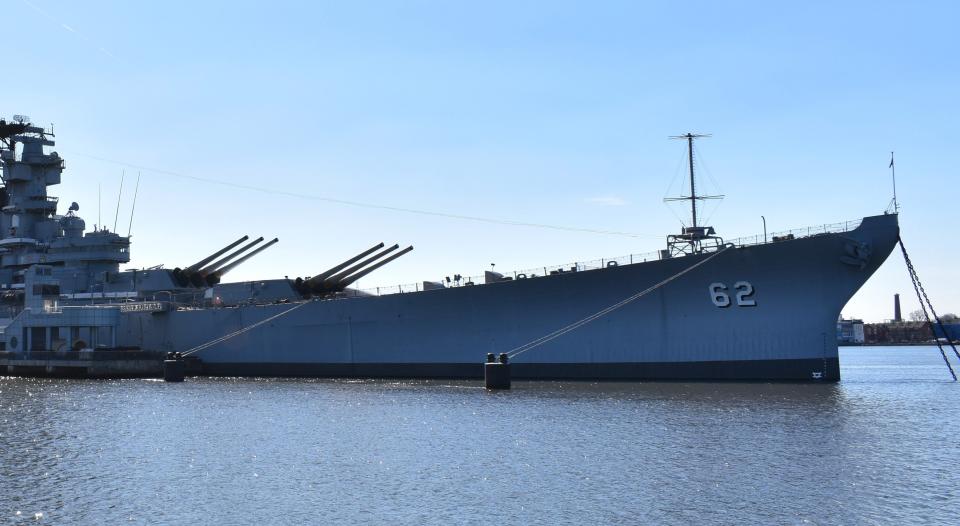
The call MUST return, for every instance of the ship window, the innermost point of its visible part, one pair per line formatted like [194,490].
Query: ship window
[46,290]
[38,338]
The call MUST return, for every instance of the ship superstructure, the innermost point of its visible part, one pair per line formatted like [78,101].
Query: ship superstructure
[711,309]
[33,232]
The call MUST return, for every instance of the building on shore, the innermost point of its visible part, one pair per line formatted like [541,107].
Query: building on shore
[850,332]
[901,332]
[907,332]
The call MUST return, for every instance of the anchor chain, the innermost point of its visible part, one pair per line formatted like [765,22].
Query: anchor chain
[924,303]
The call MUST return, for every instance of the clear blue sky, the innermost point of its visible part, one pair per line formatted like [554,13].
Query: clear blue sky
[539,112]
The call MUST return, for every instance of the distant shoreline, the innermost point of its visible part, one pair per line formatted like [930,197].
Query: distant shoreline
[900,344]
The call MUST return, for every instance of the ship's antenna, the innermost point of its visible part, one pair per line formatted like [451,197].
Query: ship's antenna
[693,197]
[693,180]
[134,207]
[99,205]
[893,174]
[117,215]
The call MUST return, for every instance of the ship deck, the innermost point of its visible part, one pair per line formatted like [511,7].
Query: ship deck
[629,259]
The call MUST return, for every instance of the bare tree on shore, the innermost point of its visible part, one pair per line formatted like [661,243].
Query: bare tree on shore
[949,317]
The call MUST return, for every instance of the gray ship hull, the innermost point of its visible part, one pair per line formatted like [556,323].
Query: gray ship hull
[763,312]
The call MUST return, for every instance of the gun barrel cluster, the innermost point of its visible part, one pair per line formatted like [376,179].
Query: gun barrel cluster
[204,273]
[339,277]
[210,270]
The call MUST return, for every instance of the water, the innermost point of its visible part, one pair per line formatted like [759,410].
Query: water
[879,447]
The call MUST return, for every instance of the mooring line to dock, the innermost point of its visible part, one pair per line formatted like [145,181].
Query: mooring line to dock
[238,332]
[924,303]
[577,324]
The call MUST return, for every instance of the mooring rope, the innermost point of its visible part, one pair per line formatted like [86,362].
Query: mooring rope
[576,325]
[238,332]
[924,303]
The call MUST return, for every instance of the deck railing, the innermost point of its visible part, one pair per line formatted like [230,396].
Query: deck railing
[830,228]
[629,259]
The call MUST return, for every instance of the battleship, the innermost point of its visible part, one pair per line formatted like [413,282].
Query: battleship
[700,309]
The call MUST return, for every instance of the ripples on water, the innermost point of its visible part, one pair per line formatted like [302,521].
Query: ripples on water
[879,447]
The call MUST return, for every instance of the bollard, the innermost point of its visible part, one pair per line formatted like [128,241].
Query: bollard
[174,368]
[496,375]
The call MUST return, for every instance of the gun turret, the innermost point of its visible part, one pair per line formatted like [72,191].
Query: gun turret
[214,277]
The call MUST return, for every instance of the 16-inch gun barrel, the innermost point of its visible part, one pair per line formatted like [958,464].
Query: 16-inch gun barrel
[214,277]
[222,261]
[317,281]
[331,282]
[344,283]
[196,266]
[191,275]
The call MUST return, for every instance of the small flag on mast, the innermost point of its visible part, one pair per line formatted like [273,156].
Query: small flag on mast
[893,175]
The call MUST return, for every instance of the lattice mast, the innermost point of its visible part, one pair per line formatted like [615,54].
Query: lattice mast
[693,197]
[691,240]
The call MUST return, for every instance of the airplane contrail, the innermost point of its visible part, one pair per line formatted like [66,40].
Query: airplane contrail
[80,35]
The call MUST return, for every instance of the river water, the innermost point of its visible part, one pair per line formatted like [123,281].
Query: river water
[880,447]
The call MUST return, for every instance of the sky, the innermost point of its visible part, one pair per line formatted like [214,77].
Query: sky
[317,122]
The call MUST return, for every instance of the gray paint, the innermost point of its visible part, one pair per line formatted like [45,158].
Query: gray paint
[800,286]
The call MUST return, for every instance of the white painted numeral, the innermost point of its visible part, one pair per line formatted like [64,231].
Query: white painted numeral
[718,293]
[744,294]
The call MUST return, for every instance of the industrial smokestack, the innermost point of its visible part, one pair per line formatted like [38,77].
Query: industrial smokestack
[896,308]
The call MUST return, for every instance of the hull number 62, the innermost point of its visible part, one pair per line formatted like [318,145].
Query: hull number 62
[743,292]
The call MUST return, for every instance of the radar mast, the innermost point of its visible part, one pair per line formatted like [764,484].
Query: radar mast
[694,239]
